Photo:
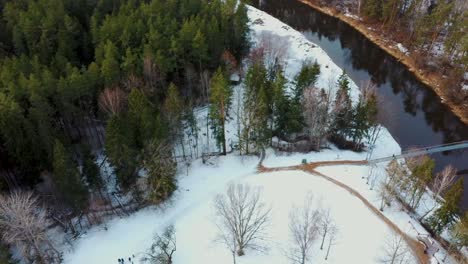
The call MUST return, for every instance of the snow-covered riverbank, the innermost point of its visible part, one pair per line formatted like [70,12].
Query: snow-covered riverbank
[362,234]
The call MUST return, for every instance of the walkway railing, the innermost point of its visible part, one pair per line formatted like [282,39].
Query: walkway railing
[422,151]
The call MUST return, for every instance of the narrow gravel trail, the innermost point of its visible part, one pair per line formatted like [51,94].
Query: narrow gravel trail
[416,247]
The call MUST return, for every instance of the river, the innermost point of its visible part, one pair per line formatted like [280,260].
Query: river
[414,114]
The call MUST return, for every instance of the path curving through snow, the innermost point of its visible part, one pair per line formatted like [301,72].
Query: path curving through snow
[416,247]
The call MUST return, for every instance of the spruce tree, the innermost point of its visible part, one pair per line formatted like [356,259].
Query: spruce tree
[287,114]
[306,77]
[343,111]
[364,117]
[67,179]
[240,38]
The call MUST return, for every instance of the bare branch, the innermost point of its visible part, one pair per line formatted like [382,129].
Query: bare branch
[395,250]
[333,235]
[242,217]
[23,223]
[271,49]
[443,180]
[111,100]
[304,226]
[163,247]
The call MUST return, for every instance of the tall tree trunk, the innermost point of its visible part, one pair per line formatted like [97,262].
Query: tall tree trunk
[328,250]
[223,126]
[323,239]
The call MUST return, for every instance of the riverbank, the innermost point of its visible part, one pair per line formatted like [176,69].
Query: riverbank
[356,214]
[433,80]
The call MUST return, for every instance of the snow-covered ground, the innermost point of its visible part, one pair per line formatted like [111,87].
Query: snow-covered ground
[361,233]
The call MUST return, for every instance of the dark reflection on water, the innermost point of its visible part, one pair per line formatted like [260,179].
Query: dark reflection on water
[415,115]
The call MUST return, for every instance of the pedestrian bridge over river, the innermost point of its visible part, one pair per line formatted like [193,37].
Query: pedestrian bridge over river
[422,151]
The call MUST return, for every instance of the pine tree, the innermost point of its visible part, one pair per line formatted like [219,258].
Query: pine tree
[438,19]
[141,116]
[456,35]
[241,43]
[131,63]
[17,135]
[446,215]
[390,10]
[199,50]
[67,179]
[161,169]
[422,173]
[262,132]
[460,232]
[121,149]
[255,107]
[174,110]
[220,102]
[110,66]
[372,9]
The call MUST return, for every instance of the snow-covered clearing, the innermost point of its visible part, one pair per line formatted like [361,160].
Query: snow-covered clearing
[362,233]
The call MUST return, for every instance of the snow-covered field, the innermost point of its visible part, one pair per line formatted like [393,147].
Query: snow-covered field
[361,233]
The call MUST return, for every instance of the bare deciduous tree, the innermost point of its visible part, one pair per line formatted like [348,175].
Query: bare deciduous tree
[163,247]
[386,194]
[440,184]
[316,106]
[275,49]
[304,225]
[229,239]
[395,250]
[238,111]
[443,180]
[23,223]
[332,238]
[111,100]
[242,217]
[418,178]
[325,224]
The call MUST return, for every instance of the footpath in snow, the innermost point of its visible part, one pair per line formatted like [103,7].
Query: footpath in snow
[362,235]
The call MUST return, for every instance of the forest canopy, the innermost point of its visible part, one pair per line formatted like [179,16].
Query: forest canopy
[69,68]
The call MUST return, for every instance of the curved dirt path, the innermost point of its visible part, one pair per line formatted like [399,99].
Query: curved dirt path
[416,247]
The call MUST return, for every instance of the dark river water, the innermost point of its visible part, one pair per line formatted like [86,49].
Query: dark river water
[415,115]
